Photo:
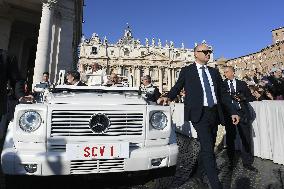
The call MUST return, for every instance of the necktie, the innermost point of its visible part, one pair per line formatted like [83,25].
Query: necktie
[232,87]
[233,92]
[207,88]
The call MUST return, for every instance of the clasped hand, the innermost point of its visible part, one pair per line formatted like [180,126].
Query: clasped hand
[235,119]
[163,101]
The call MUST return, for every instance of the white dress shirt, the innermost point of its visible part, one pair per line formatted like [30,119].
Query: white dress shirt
[235,89]
[199,69]
[234,84]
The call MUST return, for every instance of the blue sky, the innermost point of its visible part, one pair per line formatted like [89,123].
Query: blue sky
[233,27]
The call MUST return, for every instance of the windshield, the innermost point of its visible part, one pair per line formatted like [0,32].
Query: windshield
[96,89]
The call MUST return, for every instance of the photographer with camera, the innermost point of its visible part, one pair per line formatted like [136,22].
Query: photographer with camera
[240,95]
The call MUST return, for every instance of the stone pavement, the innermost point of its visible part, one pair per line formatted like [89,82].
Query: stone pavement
[269,175]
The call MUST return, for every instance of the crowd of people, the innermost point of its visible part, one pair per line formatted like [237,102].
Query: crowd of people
[267,87]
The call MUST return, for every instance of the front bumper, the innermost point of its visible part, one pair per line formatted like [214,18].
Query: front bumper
[56,163]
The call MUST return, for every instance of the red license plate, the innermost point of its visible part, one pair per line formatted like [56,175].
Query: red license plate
[97,151]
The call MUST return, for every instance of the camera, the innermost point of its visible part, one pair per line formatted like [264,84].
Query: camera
[239,97]
[242,107]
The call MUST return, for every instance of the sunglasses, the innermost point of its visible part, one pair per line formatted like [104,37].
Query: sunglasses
[206,51]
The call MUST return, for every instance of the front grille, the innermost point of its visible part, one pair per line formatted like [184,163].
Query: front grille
[56,147]
[76,123]
[96,166]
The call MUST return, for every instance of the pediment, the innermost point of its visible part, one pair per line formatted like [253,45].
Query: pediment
[155,56]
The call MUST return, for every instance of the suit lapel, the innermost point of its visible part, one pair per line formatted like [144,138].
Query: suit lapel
[195,76]
[211,71]
[237,85]
[227,85]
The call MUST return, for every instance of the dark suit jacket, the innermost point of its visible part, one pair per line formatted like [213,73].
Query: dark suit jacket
[243,91]
[154,96]
[193,103]
[152,93]
[9,71]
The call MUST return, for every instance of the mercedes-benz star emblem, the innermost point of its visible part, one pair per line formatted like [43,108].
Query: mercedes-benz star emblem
[99,123]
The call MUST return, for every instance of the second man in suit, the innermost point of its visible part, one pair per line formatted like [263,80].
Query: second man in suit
[240,97]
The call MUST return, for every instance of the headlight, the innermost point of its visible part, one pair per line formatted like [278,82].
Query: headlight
[159,120]
[30,121]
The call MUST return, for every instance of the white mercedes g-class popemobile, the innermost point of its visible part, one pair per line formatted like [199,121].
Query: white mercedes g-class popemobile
[85,130]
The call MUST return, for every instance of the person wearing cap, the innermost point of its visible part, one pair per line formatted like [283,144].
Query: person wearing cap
[149,91]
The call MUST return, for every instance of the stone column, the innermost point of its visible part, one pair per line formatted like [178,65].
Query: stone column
[65,24]
[133,73]
[169,73]
[5,30]
[42,60]
[131,78]
[160,79]
[173,77]
[54,46]
[138,76]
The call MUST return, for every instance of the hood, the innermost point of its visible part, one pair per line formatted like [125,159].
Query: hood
[95,98]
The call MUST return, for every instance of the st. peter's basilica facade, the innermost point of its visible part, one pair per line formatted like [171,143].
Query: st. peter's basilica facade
[130,59]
